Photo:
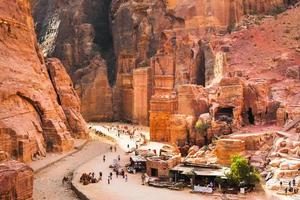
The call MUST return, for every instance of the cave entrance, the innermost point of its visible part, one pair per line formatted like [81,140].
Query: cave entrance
[99,16]
[224,114]
[251,117]
[200,73]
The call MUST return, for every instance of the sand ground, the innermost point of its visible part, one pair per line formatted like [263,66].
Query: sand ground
[48,182]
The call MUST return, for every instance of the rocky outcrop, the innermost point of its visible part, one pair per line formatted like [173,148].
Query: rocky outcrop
[67,98]
[16,180]
[94,91]
[31,119]
[227,148]
[78,33]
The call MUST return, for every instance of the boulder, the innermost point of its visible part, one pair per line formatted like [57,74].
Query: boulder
[16,180]
[293,72]
[227,148]
[275,163]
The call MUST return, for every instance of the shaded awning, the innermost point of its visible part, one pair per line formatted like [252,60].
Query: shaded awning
[199,171]
[138,159]
[208,172]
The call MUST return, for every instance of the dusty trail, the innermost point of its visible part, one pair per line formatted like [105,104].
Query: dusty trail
[48,182]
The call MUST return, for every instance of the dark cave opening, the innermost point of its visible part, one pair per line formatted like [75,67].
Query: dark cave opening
[99,15]
[224,114]
[200,73]
[251,117]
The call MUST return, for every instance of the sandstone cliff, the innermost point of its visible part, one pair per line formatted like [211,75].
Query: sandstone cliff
[78,33]
[146,61]
[32,117]
[101,42]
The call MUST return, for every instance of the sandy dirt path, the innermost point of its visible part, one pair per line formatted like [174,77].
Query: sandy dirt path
[48,182]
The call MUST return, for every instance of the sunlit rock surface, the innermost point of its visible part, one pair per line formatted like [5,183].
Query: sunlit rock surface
[32,120]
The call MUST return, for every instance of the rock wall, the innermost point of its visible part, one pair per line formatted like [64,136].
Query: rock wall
[67,98]
[226,148]
[78,33]
[192,100]
[31,121]
[142,84]
[94,91]
[125,35]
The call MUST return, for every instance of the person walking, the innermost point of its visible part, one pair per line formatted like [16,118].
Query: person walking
[108,180]
[126,178]
[115,148]
[103,158]
[100,176]
[143,178]
[110,174]
[294,182]
[119,158]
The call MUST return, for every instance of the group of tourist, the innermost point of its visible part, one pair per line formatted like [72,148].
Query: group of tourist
[86,179]
[125,130]
[291,188]
[113,148]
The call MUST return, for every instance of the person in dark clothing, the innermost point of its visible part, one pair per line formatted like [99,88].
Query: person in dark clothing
[103,158]
[100,176]
[65,179]
[294,182]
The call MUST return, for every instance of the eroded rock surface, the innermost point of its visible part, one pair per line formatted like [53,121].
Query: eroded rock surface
[16,180]
[67,98]
[124,35]
[78,33]
[32,120]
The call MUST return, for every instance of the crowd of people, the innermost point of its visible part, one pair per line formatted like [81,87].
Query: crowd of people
[88,178]
[133,133]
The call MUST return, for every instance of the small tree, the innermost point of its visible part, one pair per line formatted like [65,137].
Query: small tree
[202,127]
[241,173]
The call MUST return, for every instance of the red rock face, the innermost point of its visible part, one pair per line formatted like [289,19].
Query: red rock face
[77,32]
[67,98]
[184,43]
[272,52]
[219,13]
[16,180]
[31,119]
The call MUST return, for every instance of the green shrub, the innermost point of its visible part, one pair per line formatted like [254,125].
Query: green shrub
[242,173]
[202,127]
